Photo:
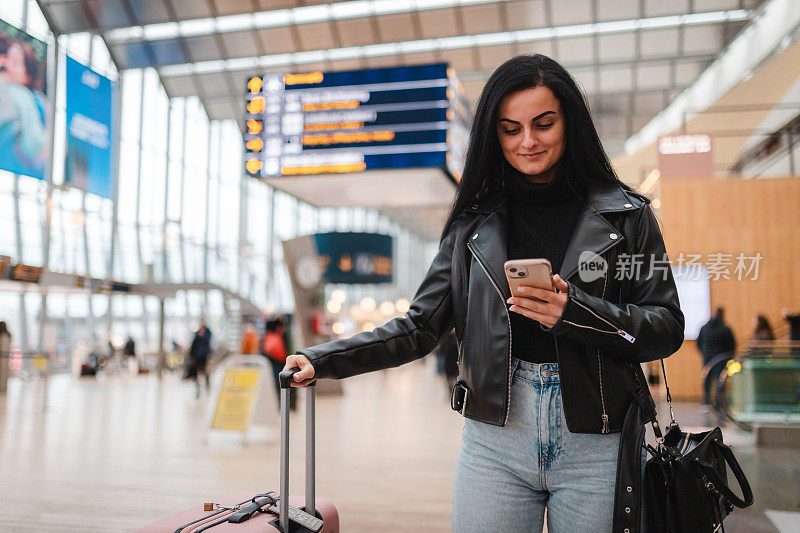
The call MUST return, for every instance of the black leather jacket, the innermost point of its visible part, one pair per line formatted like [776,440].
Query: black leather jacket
[609,325]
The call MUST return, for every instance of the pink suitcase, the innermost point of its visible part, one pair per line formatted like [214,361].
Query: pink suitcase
[244,505]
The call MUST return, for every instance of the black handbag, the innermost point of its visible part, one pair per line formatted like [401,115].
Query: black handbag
[685,480]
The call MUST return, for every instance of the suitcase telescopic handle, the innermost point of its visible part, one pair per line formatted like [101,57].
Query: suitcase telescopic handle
[285,379]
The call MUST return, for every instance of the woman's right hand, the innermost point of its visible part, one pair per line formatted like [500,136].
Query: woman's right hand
[306,374]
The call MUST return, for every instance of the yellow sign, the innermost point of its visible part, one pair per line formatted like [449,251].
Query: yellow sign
[310,78]
[324,169]
[39,363]
[348,138]
[236,398]
[332,105]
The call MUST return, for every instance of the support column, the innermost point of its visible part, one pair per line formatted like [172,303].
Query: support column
[162,353]
[115,209]
[165,275]
[212,125]
[138,216]
[23,324]
[54,86]
[90,321]
[241,263]
[271,285]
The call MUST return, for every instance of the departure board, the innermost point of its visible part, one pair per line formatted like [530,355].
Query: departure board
[351,121]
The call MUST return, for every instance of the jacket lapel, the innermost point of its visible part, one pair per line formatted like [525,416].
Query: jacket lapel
[488,243]
[593,233]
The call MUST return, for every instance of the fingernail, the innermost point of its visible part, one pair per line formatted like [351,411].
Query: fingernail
[510,301]
[523,289]
[513,307]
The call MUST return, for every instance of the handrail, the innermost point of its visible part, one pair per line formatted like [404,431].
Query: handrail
[23,355]
[722,405]
[773,344]
[712,363]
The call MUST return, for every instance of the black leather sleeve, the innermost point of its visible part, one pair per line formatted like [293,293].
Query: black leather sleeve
[402,339]
[648,325]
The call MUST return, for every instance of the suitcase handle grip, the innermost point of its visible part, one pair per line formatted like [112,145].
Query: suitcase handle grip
[285,377]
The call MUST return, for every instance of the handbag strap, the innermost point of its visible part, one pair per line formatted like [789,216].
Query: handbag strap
[654,419]
[709,475]
[669,396]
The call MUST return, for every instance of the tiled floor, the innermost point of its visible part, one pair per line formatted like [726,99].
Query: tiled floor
[115,454]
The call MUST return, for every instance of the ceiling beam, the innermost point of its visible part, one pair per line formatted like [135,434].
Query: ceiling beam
[444,43]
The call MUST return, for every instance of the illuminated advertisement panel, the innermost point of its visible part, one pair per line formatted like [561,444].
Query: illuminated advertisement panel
[89,145]
[355,258]
[320,123]
[24,142]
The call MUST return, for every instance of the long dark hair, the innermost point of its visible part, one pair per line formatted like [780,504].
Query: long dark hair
[584,163]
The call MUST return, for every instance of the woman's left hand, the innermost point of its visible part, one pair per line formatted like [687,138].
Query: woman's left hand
[542,305]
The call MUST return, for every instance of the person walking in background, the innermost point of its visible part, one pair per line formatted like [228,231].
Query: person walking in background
[273,347]
[199,353]
[714,339]
[288,337]
[5,356]
[763,335]
[130,348]
[129,351]
[793,319]
[249,339]
[763,330]
[794,329]
[447,360]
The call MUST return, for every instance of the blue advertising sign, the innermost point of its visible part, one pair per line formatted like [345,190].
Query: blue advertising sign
[350,121]
[24,142]
[89,147]
[355,257]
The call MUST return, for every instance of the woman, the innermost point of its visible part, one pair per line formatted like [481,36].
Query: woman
[763,329]
[763,336]
[544,412]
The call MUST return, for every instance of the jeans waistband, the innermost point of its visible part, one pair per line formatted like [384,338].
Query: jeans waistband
[538,372]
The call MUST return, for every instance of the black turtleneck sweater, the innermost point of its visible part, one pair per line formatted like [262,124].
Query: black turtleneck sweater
[542,218]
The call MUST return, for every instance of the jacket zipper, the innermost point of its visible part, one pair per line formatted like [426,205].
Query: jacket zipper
[604,417]
[605,428]
[617,330]
[508,361]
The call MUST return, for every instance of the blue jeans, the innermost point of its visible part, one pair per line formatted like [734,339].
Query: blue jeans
[506,476]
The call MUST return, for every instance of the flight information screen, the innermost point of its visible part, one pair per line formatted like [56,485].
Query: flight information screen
[350,121]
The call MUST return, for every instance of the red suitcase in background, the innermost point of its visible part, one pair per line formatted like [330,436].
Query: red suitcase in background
[246,512]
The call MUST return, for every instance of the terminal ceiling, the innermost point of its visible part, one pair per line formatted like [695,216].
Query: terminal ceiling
[631,57]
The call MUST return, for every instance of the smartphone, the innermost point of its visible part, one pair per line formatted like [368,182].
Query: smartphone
[529,273]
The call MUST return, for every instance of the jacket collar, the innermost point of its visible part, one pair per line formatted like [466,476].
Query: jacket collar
[605,199]
[593,233]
